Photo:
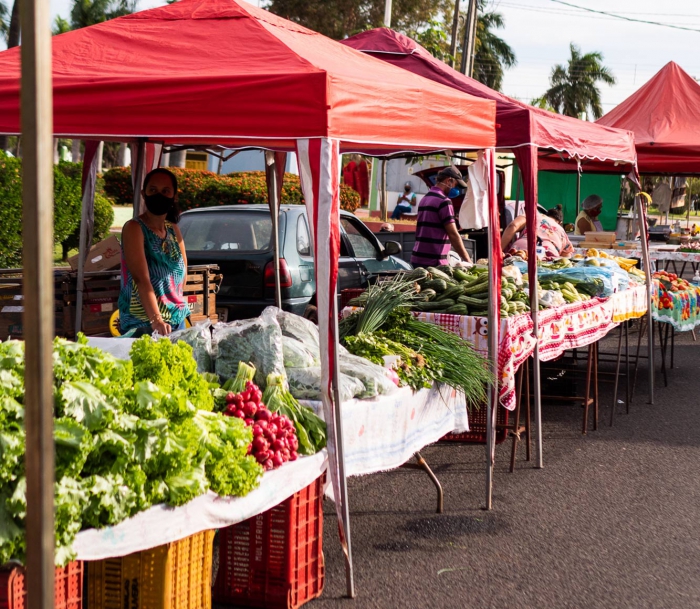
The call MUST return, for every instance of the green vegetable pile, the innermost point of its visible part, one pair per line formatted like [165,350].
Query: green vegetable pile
[129,435]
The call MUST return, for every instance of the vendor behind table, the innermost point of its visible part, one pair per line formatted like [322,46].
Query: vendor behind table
[587,220]
[436,229]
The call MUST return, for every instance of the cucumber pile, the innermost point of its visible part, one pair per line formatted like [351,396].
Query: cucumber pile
[568,290]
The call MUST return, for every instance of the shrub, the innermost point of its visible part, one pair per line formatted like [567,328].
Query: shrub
[207,189]
[104,218]
[67,199]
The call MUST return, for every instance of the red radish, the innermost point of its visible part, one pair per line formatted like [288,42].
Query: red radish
[263,414]
[277,459]
[278,445]
[269,436]
[230,396]
[286,454]
[260,444]
[240,414]
[273,428]
[262,423]
[230,410]
[293,443]
[269,465]
[250,408]
[257,430]
[261,457]
[250,449]
[249,422]
[293,456]
[245,395]
[282,433]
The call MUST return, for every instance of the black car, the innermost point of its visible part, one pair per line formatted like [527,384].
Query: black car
[238,238]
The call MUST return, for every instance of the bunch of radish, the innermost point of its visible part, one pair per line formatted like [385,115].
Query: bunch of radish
[274,436]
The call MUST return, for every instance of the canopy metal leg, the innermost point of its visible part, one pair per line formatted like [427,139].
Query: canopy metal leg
[617,377]
[273,191]
[422,465]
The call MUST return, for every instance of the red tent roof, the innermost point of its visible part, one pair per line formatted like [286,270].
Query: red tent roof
[664,117]
[517,123]
[226,72]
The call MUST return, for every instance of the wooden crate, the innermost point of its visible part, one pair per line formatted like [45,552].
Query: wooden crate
[100,299]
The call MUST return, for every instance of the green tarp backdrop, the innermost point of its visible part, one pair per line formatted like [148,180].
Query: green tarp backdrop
[555,188]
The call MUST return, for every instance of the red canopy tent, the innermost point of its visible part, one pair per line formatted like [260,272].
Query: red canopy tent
[532,134]
[663,114]
[223,72]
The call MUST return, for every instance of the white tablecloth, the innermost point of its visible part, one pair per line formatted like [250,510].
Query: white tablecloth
[161,524]
[383,433]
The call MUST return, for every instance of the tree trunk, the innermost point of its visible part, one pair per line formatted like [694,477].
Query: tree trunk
[75,150]
[178,158]
[121,155]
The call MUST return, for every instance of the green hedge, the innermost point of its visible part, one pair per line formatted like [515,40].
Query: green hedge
[67,202]
[207,189]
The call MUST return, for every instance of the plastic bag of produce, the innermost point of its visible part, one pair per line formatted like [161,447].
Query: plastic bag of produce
[514,273]
[299,328]
[305,384]
[373,377]
[256,341]
[199,338]
[296,355]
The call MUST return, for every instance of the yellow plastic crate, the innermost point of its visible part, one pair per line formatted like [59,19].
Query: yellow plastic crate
[173,576]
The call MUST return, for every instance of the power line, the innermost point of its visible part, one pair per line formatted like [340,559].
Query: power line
[624,18]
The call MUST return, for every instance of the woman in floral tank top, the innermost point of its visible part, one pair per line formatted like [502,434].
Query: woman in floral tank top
[154,263]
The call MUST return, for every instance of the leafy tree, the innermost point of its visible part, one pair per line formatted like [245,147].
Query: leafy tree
[574,88]
[4,20]
[90,12]
[435,40]
[60,26]
[341,18]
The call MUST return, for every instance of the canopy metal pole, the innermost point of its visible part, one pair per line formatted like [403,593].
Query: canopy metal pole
[340,452]
[578,187]
[38,319]
[138,178]
[641,219]
[273,190]
[534,307]
[82,248]
[492,393]
[383,200]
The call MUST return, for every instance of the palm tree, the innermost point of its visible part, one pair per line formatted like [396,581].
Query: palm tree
[492,54]
[60,26]
[89,12]
[574,88]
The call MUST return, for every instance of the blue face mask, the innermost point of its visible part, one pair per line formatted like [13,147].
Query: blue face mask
[454,192]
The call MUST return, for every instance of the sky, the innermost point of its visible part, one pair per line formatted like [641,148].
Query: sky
[539,31]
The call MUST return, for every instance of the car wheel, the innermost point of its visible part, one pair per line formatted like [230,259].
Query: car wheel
[311,313]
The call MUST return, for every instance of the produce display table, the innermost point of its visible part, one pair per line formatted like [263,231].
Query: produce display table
[561,328]
[656,253]
[383,433]
[162,524]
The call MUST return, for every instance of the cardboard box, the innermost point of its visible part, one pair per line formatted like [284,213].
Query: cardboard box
[103,256]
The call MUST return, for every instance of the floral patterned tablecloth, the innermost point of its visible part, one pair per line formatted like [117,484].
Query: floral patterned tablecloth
[680,309]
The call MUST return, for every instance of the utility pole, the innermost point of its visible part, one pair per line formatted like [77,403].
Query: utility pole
[387,13]
[467,66]
[455,33]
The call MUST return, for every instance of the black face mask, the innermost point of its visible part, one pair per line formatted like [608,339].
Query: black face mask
[158,204]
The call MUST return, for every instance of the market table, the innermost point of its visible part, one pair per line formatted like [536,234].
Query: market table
[560,328]
[657,253]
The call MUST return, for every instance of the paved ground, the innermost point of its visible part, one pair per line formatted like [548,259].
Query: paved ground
[611,522]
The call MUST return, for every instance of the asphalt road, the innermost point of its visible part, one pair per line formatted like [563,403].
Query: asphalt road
[612,521]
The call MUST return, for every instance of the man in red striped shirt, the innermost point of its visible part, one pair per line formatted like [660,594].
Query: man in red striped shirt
[437,229]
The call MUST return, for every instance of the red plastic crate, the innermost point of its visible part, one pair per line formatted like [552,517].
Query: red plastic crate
[348,294]
[68,587]
[477,427]
[274,560]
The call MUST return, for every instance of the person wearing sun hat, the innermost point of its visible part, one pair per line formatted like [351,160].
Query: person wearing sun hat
[587,220]
[437,229]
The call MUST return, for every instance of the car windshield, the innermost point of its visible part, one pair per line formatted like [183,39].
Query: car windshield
[241,231]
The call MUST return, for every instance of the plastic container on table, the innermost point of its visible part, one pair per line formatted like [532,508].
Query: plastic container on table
[172,576]
[275,559]
[68,587]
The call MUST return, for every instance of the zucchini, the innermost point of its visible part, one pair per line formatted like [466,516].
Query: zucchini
[457,309]
[460,275]
[438,274]
[477,287]
[447,269]
[479,313]
[428,294]
[417,274]
[451,292]
[433,305]
[474,302]
[439,285]
[481,296]
[507,293]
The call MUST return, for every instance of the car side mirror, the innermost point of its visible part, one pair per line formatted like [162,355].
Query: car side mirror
[391,248]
